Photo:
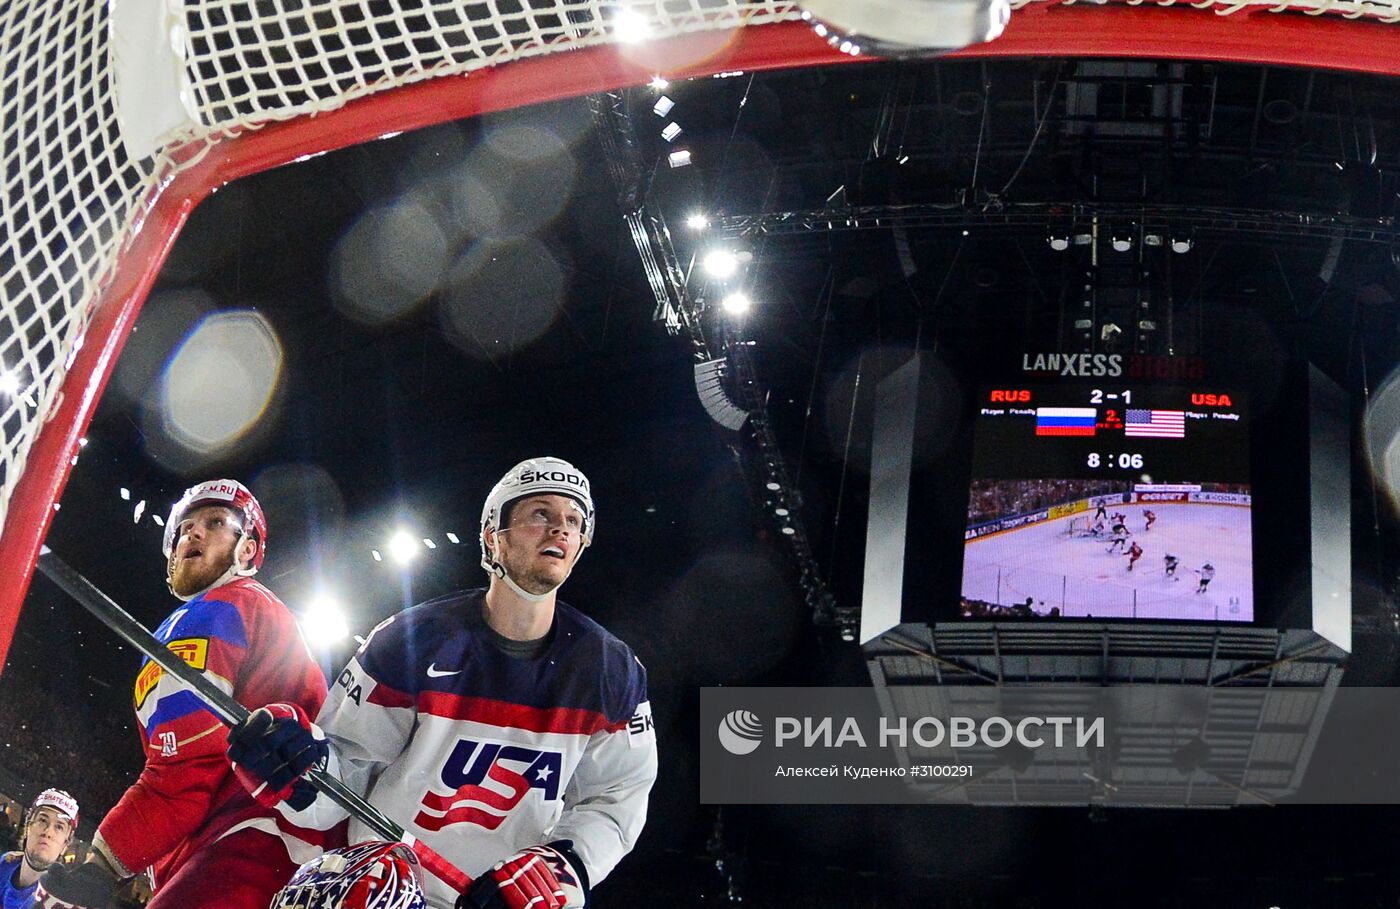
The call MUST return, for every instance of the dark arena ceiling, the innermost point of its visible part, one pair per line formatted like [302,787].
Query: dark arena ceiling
[452,300]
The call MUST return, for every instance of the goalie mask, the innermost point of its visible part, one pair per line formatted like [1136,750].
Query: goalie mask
[533,477]
[232,495]
[371,875]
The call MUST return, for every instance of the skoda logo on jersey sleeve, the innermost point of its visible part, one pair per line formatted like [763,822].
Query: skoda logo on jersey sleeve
[740,732]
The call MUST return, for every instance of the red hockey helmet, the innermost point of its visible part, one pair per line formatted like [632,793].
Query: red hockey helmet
[371,875]
[231,494]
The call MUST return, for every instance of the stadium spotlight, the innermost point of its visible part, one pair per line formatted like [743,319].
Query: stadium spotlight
[679,158]
[720,263]
[452,538]
[672,130]
[663,106]
[323,622]
[630,26]
[773,486]
[697,221]
[737,303]
[429,543]
[1181,244]
[1122,244]
[659,83]
[403,547]
[1059,243]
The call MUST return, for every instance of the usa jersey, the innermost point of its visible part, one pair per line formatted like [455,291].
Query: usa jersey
[480,754]
[243,639]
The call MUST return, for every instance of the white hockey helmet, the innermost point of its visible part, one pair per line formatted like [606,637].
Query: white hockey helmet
[233,495]
[370,875]
[59,801]
[533,477]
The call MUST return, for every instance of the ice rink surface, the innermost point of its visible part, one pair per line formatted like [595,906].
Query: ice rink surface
[1079,574]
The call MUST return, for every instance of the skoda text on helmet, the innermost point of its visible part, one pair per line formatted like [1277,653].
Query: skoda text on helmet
[232,495]
[533,477]
[59,801]
[370,875]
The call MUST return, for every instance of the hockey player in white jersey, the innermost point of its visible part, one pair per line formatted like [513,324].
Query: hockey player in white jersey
[504,729]
[1207,574]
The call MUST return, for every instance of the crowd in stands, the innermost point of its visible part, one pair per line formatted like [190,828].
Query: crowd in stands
[1233,488]
[47,740]
[992,499]
[9,829]
[981,609]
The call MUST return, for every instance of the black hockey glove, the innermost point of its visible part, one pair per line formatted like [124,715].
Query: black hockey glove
[85,886]
[271,750]
[541,877]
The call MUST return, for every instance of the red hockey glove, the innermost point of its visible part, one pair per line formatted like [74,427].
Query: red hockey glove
[541,877]
[85,886]
[271,750]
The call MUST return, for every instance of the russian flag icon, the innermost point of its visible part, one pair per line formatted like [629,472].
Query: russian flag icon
[1065,421]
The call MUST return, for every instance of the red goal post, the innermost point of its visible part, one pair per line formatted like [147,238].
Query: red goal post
[87,225]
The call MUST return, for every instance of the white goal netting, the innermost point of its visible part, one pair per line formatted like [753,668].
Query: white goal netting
[74,198]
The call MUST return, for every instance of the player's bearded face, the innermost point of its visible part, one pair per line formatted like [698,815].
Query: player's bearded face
[543,542]
[204,548]
[45,838]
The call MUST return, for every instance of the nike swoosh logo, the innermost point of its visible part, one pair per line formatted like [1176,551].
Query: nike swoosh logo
[435,673]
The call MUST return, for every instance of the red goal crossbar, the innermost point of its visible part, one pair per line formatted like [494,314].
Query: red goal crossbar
[1036,30]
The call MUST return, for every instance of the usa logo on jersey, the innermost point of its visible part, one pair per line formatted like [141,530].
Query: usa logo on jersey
[489,779]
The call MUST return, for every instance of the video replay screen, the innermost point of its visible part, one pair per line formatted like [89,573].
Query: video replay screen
[1099,502]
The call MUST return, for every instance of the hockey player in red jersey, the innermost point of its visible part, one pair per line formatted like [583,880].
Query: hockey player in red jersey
[207,842]
[1150,517]
[1134,554]
[503,728]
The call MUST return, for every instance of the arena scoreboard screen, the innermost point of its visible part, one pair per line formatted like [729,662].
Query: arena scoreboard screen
[1109,501]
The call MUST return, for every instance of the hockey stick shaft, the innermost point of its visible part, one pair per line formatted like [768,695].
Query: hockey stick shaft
[223,705]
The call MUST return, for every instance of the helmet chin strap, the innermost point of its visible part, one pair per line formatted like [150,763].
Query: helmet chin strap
[499,569]
[37,866]
[521,591]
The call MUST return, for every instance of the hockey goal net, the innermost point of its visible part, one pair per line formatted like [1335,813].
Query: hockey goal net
[114,129]
[1077,526]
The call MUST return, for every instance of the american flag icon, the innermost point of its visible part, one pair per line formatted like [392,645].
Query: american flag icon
[1157,424]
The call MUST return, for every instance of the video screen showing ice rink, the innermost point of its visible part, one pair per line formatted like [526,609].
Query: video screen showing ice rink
[1044,549]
